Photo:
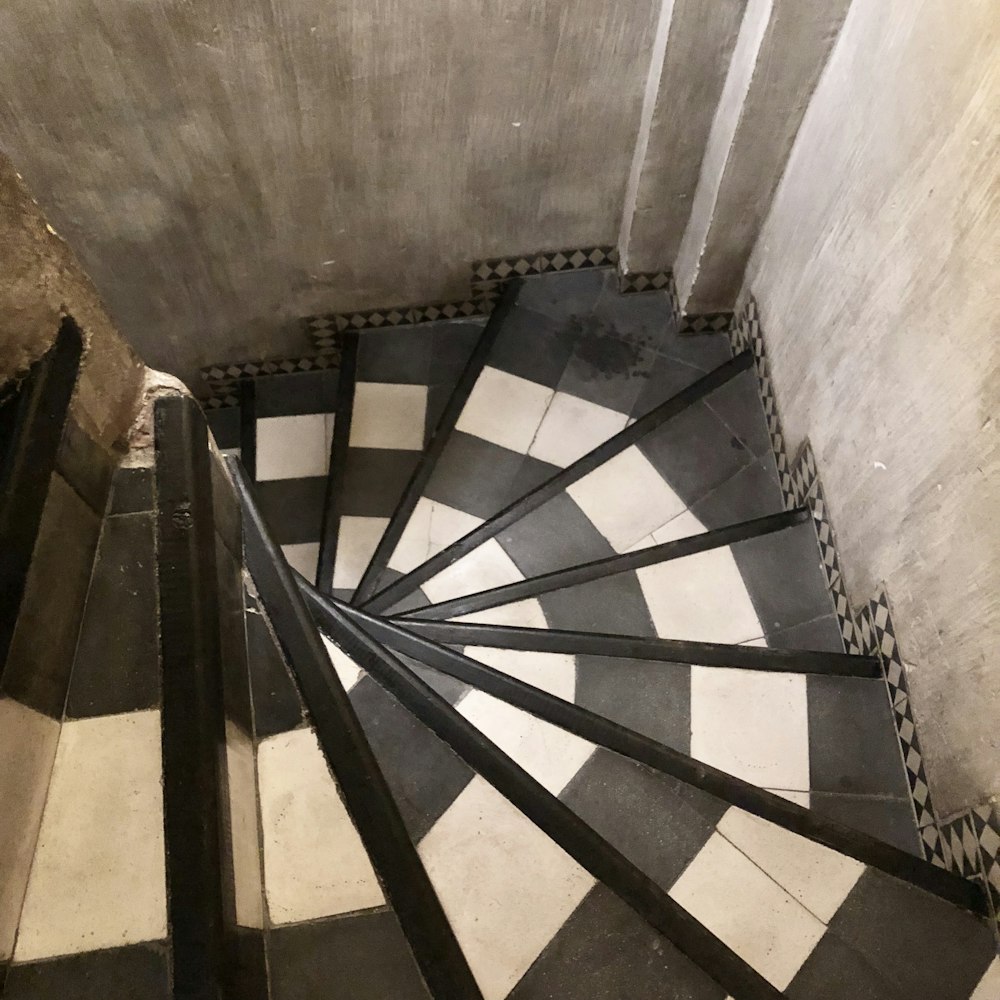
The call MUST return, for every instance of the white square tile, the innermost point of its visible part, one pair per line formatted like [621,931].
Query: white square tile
[432,527]
[293,447]
[521,614]
[241,780]
[752,725]
[357,539]
[799,798]
[572,427]
[347,670]
[505,887]
[989,985]
[388,416]
[303,557]
[684,525]
[816,876]
[315,863]
[99,875]
[504,409]
[552,672]
[760,642]
[700,597]
[549,754]
[625,499]
[485,567]
[748,911]
[28,743]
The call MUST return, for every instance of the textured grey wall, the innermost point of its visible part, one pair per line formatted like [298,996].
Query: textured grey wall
[223,166]
[878,274]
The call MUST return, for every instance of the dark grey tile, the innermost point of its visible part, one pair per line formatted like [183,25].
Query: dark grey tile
[702,351]
[232,639]
[437,400]
[418,599]
[534,346]
[606,951]
[657,822]
[361,956]
[374,480]
[695,452]
[292,508]
[927,948]
[454,343]
[667,377]
[784,578]
[890,820]
[852,738]
[644,319]
[559,296]
[752,492]
[86,465]
[835,972]
[138,972]
[224,424]
[738,404]
[296,392]
[530,476]
[821,634]
[399,355]
[450,689]
[117,663]
[276,703]
[132,491]
[226,508]
[605,369]
[40,658]
[246,963]
[652,698]
[612,604]
[424,775]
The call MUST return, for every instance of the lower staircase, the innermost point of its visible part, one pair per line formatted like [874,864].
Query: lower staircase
[492,664]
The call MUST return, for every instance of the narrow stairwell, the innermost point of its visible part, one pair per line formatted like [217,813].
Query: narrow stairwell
[490,664]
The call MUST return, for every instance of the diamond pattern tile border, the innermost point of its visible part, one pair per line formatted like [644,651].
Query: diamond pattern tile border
[223,379]
[498,269]
[971,845]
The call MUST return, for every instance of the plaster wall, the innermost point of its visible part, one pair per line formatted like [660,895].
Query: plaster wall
[878,278]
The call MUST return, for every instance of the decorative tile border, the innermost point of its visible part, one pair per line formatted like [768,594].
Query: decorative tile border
[971,844]
[498,269]
[223,379]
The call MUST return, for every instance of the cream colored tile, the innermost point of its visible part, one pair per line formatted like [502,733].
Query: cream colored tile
[523,614]
[504,409]
[684,525]
[626,499]
[293,447]
[989,986]
[816,876]
[549,754]
[799,798]
[241,769]
[485,567]
[699,597]
[572,427]
[28,743]
[357,539]
[753,725]
[552,672]
[432,527]
[347,670]
[505,887]
[314,861]
[748,911]
[388,416]
[99,876]
[303,557]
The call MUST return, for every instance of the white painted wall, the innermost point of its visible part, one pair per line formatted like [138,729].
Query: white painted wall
[878,277]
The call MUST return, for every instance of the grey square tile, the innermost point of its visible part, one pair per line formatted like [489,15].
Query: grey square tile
[667,377]
[739,406]
[292,508]
[606,951]
[132,491]
[852,738]
[400,355]
[276,702]
[533,346]
[652,698]
[890,820]
[374,480]
[752,492]
[296,393]
[643,319]
[611,604]
[834,972]
[559,296]
[821,634]
[225,426]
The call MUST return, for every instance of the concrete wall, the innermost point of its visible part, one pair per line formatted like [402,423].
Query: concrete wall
[223,166]
[878,276]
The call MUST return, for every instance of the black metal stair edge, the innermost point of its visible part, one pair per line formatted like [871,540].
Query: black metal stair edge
[597,729]
[435,447]
[33,430]
[549,814]
[573,576]
[332,501]
[404,880]
[703,654]
[558,482]
[193,702]
[248,426]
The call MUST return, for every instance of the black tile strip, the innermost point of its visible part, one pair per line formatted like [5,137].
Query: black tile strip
[595,728]
[704,654]
[339,447]
[349,755]
[193,723]
[436,446]
[33,429]
[560,481]
[248,426]
[591,851]
[546,583]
